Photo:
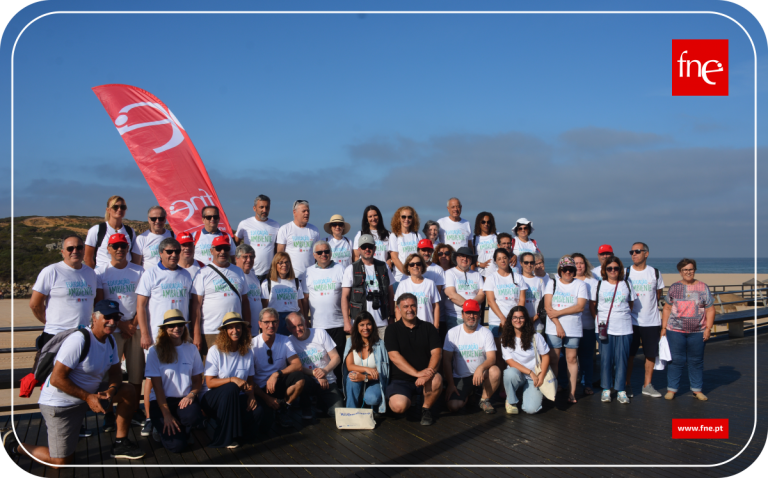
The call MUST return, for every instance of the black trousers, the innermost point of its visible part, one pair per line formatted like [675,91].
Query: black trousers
[188,417]
[227,407]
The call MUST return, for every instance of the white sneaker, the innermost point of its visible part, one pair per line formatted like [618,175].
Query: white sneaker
[511,409]
[650,391]
[605,396]
[622,397]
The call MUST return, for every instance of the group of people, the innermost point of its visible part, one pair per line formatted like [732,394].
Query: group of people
[238,331]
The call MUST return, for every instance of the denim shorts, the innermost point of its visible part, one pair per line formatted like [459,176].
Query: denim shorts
[555,342]
[495,330]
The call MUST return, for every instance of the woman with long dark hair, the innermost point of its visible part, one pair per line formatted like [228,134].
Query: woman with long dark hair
[517,349]
[367,366]
[373,224]
[485,241]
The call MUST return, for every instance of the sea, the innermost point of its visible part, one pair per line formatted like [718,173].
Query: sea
[703,265]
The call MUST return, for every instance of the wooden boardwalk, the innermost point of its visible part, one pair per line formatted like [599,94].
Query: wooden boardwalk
[587,433]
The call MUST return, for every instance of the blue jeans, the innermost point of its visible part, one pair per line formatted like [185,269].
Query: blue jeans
[282,328]
[614,356]
[685,347]
[587,356]
[532,396]
[355,393]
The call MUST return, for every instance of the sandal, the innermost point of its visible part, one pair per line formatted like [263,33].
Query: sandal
[588,391]
[571,399]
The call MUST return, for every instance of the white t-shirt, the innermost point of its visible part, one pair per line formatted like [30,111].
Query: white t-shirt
[469,350]
[87,374]
[219,299]
[146,245]
[120,285]
[620,322]
[230,364]
[520,247]
[645,310]
[506,293]
[596,272]
[371,284]
[426,296]
[167,289]
[382,247]
[587,320]
[193,269]
[299,242]
[456,234]
[70,296]
[436,274]
[284,296]
[102,254]
[341,250]
[404,245]
[323,286]
[486,245]
[204,244]
[177,376]
[282,350]
[262,236]
[566,296]
[467,285]
[254,296]
[313,352]
[526,358]
[534,294]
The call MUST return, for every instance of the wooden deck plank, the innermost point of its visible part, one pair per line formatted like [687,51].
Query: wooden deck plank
[21,427]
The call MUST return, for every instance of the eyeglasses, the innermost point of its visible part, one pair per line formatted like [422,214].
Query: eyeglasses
[324,252]
[172,252]
[337,224]
[444,254]
[632,252]
[221,248]
[426,250]
[518,317]
[612,269]
[568,270]
[414,264]
[211,218]
[269,354]
[367,247]
[155,219]
[529,263]
[119,245]
[406,217]
[688,271]
[121,207]
[78,248]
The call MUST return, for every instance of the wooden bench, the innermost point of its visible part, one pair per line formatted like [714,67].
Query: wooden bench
[735,320]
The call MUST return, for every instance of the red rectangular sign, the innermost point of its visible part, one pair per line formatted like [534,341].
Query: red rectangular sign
[699,67]
[700,428]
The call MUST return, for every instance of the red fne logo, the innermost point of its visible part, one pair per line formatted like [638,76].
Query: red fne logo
[699,67]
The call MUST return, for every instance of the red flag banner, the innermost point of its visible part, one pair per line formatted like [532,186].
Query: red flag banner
[164,153]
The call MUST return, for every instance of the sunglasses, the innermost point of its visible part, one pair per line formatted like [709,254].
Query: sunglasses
[485,222]
[172,252]
[175,326]
[211,218]
[324,252]
[414,264]
[406,217]
[337,224]
[606,254]
[222,248]
[269,355]
[78,248]
[119,245]
[367,247]
[155,219]
[569,270]
[523,228]
[114,317]
[529,263]
[632,252]
[121,207]
[612,269]
[443,254]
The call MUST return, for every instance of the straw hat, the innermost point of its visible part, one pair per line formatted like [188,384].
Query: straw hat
[336,218]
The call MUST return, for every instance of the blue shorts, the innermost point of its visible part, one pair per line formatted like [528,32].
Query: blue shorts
[555,342]
[495,330]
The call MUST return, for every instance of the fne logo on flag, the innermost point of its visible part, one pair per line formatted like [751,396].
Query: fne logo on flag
[699,67]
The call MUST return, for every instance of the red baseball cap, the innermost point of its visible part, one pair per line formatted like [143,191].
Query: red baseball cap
[117,238]
[185,238]
[470,305]
[222,240]
[605,248]
[425,244]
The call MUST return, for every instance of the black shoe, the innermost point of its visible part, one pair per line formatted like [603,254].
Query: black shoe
[284,419]
[10,443]
[426,416]
[126,449]
[138,418]
[110,422]
[84,432]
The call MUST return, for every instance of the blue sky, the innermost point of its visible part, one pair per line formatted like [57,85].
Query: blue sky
[567,120]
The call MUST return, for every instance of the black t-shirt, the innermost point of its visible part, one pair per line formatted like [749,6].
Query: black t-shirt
[415,345]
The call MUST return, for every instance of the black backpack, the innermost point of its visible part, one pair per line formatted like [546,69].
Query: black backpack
[51,348]
[103,233]
[540,311]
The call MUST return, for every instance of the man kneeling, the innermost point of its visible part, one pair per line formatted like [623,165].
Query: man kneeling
[318,355]
[414,351]
[469,355]
[76,386]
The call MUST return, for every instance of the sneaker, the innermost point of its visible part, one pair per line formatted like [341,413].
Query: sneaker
[605,396]
[10,443]
[234,444]
[190,439]
[622,397]
[511,409]
[669,395]
[138,418]
[485,405]
[426,416]
[146,430]
[84,432]
[110,422]
[306,412]
[126,449]
[700,396]
[156,436]
[650,391]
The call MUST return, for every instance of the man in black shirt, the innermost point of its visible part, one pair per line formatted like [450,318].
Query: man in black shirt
[414,352]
